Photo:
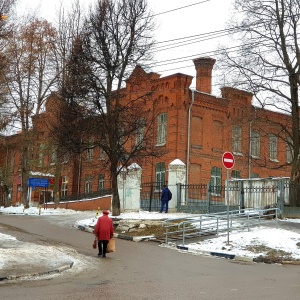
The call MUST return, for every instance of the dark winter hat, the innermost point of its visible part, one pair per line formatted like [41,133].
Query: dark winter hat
[105,212]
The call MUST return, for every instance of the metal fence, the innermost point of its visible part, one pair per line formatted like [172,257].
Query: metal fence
[235,195]
[240,196]
[91,195]
[204,198]
[150,196]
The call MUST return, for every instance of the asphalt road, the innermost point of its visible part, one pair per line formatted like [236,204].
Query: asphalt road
[145,271]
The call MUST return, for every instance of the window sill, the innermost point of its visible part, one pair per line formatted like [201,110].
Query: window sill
[160,145]
[199,147]
[237,153]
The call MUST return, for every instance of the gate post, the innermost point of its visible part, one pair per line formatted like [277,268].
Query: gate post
[208,197]
[242,202]
[179,188]
[177,174]
[130,188]
[280,195]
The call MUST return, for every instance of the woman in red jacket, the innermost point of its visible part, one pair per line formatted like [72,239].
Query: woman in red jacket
[104,231]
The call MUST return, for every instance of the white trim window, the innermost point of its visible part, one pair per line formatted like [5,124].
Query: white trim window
[160,172]
[216,181]
[162,129]
[88,184]
[53,157]
[102,154]
[237,139]
[289,150]
[255,144]
[90,150]
[139,137]
[65,158]
[235,174]
[273,141]
[101,182]
[64,186]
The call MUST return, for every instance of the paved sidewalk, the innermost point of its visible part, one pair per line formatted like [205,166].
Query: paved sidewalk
[45,264]
[25,271]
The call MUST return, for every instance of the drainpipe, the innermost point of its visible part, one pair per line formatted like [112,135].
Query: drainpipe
[79,172]
[249,157]
[250,141]
[189,138]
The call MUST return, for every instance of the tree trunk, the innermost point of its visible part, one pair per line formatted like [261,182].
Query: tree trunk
[24,174]
[294,189]
[294,195]
[115,193]
[57,180]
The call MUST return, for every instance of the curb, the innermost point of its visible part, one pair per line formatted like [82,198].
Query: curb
[288,262]
[225,255]
[134,238]
[218,254]
[120,236]
[232,256]
[85,228]
[58,270]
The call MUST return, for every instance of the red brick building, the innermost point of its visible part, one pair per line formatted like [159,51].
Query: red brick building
[191,125]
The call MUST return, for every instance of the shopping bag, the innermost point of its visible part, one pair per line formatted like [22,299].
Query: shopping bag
[111,246]
[95,244]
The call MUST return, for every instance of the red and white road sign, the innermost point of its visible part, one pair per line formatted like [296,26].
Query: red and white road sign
[228,160]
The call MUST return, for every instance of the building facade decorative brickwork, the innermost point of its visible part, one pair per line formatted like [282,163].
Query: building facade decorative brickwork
[192,126]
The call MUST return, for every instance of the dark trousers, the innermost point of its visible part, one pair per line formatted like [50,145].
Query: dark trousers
[102,246]
[164,203]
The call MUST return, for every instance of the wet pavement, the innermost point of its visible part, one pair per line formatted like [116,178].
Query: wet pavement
[30,255]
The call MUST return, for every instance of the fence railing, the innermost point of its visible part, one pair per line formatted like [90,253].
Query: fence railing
[180,229]
[207,198]
[150,196]
[91,195]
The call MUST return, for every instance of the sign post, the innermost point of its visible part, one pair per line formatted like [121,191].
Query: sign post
[228,162]
[39,182]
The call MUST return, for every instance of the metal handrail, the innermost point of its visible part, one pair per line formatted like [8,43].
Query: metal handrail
[203,224]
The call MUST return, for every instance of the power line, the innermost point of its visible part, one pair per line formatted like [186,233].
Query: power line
[189,42]
[179,8]
[196,35]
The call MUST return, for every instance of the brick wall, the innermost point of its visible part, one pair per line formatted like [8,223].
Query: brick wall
[212,119]
[93,204]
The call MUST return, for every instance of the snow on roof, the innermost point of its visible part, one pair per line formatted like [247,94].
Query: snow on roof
[177,162]
[41,174]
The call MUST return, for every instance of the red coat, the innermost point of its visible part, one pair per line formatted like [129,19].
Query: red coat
[104,229]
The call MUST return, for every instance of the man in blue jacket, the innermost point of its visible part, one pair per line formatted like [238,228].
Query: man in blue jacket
[166,196]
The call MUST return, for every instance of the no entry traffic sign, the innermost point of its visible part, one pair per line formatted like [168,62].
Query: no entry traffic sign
[228,160]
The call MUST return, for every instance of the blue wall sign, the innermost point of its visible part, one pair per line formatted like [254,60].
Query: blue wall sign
[38,182]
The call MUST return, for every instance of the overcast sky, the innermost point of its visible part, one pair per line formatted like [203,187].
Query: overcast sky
[175,19]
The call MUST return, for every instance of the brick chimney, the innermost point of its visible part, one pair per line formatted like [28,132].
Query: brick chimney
[204,66]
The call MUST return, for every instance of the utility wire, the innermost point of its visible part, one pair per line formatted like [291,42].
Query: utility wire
[179,8]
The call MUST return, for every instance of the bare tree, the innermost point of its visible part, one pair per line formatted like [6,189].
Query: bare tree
[267,62]
[117,36]
[6,7]
[29,79]
[69,26]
